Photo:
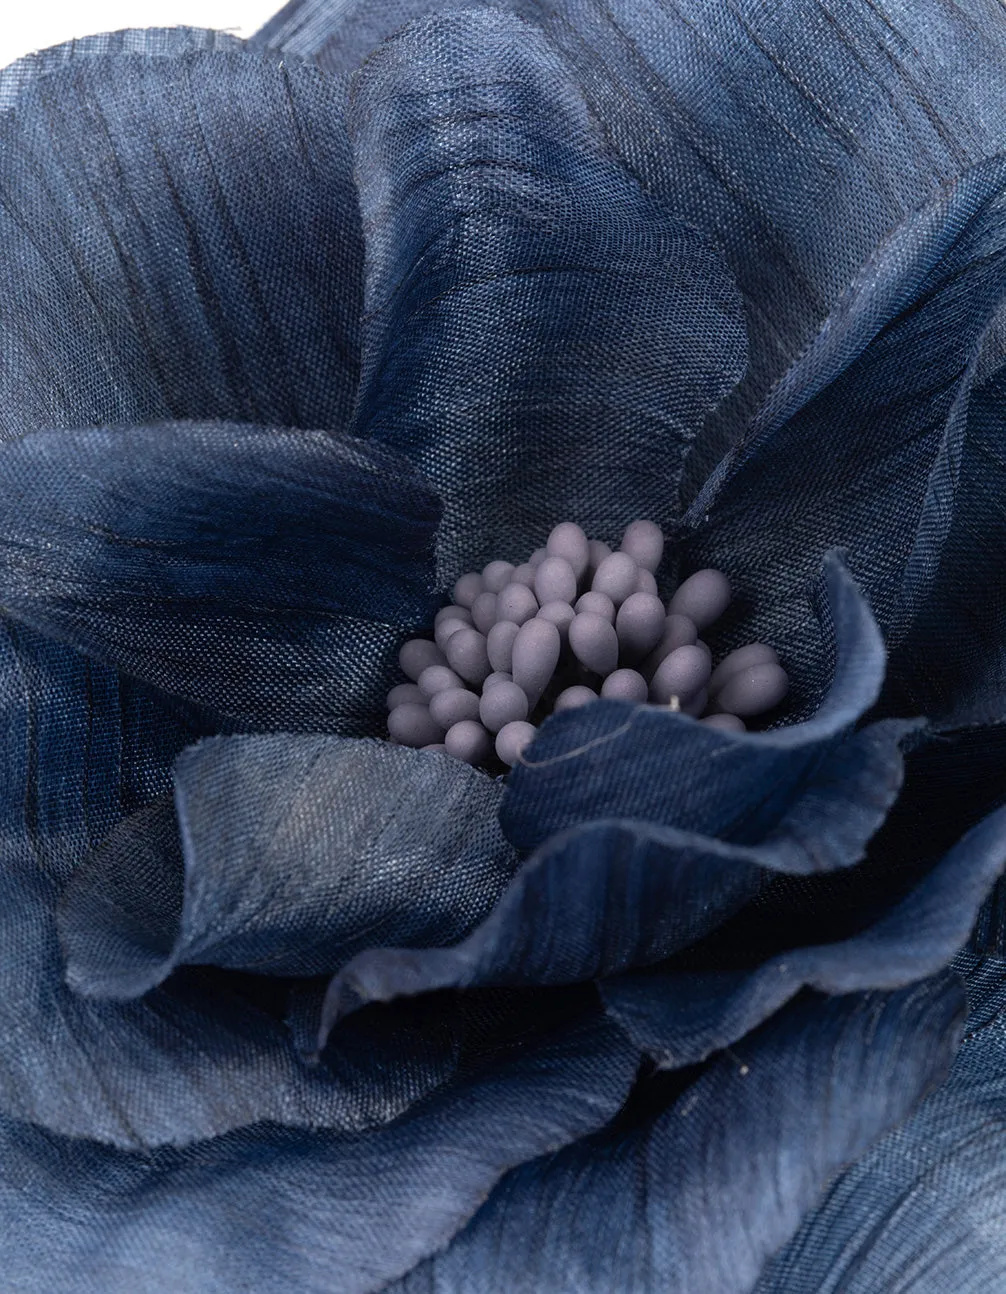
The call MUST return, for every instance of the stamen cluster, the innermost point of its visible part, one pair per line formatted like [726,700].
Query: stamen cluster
[574,622]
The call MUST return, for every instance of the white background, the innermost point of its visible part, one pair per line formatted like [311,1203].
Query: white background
[32,24]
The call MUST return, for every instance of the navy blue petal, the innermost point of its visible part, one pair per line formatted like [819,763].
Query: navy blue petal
[338,37]
[590,902]
[179,238]
[608,895]
[698,1198]
[952,663]
[161,42]
[544,341]
[602,894]
[267,575]
[299,851]
[614,760]
[274,1211]
[922,1212]
[82,749]
[796,134]
[119,915]
[884,388]
[683,1017]
[952,781]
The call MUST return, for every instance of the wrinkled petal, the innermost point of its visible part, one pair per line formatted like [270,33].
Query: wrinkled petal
[161,42]
[274,1211]
[681,1018]
[82,748]
[952,663]
[119,914]
[267,575]
[614,760]
[922,1212]
[590,902]
[603,897]
[952,781]
[795,135]
[341,34]
[179,238]
[885,388]
[699,1197]
[542,339]
[298,853]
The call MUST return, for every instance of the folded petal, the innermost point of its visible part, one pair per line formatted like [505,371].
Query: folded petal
[274,1211]
[544,341]
[700,1196]
[83,748]
[952,781]
[192,1060]
[922,1211]
[680,1018]
[796,136]
[600,898]
[179,238]
[952,662]
[267,575]
[119,915]
[611,759]
[162,42]
[602,894]
[298,853]
[859,445]
[590,902]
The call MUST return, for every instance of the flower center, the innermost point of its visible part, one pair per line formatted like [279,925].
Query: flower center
[574,622]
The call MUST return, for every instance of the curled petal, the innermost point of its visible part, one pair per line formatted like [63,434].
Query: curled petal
[700,1196]
[603,897]
[682,1017]
[541,338]
[154,550]
[612,759]
[299,851]
[199,1056]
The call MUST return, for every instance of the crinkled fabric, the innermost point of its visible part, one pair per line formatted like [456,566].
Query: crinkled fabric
[952,663]
[284,349]
[234,606]
[497,226]
[287,854]
[681,1018]
[270,1210]
[923,1210]
[796,136]
[181,240]
[203,1054]
[150,41]
[697,1198]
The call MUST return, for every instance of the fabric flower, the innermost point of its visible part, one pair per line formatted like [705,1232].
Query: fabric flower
[297,332]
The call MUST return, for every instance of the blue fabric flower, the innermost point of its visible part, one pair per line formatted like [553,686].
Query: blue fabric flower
[294,333]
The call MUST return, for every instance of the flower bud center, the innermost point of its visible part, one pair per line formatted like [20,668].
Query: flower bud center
[573,623]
